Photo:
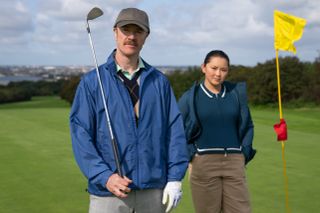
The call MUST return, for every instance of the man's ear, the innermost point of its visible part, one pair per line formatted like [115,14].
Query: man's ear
[115,31]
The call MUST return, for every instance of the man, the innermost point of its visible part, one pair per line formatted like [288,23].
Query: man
[146,123]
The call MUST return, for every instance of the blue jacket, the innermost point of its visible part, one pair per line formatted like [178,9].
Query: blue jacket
[151,154]
[193,127]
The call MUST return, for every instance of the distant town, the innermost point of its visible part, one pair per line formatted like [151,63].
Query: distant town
[53,73]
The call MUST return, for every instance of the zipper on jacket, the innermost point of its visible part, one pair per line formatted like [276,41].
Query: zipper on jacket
[144,75]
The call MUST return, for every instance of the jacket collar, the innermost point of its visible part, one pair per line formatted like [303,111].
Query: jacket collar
[112,67]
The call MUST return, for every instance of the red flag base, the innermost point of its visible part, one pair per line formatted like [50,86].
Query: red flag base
[281,130]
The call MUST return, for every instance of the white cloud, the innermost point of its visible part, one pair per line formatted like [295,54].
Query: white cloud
[20,7]
[64,10]
[15,19]
[243,28]
[181,31]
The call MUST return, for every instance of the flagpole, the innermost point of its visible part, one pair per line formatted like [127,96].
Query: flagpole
[286,188]
[278,80]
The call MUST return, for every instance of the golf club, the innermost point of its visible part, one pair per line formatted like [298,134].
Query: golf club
[93,14]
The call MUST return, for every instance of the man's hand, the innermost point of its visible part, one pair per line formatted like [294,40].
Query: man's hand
[172,194]
[118,185]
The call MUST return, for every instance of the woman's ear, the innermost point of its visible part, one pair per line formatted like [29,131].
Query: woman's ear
[203,68]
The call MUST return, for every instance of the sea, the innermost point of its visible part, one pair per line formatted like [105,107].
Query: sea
[5,80]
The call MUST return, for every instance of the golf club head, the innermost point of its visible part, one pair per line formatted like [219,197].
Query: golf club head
[94,13]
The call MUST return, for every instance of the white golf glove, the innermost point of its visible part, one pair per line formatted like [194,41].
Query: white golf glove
[171,195]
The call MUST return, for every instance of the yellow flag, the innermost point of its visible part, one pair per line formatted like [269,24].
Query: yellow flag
[287,30]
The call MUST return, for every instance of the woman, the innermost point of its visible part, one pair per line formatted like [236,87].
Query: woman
[219,130]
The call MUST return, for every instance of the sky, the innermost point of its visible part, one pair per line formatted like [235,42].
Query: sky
[53,32]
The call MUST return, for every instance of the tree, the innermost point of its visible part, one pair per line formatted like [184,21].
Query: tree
[181,81]
[313,82]
[69,88]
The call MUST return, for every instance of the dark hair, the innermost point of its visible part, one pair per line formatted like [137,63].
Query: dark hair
[216,53]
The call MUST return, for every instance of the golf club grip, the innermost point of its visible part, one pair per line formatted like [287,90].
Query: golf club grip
[116,156]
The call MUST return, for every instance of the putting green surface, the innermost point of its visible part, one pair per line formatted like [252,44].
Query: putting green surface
[38,172]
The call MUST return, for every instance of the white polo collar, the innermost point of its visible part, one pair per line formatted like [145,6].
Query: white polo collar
[210,95]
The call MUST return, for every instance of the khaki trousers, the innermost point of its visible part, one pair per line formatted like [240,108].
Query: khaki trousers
[138,201]
[218,184]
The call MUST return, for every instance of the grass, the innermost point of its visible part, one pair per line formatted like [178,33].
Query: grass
[38,172]
[265,174]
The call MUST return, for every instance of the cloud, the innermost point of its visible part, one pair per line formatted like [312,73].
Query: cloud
[182,32]
[227,25]
[243,28]
[62,22]
[210,23]
[15,23]
[64,10]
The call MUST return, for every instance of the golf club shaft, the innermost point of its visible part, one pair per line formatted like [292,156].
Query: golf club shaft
[113,141]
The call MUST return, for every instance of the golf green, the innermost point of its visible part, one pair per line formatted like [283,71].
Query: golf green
[38,172]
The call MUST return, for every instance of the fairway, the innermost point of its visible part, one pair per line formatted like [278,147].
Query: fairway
[38,172]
